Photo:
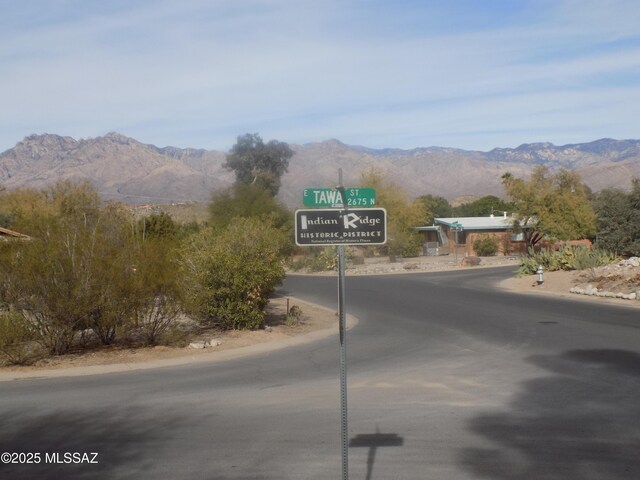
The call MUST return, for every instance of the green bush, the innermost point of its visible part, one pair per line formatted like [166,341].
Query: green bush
[229,275]
[486,246]
[411,246]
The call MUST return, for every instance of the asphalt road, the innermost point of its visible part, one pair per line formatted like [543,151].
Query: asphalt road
[448,379]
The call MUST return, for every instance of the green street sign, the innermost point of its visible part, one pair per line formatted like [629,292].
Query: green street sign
[330,197]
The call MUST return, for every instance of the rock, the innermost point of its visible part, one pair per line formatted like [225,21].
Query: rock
[634,296]
[199,344]
[268,328]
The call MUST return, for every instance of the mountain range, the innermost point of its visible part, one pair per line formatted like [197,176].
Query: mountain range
[124,169]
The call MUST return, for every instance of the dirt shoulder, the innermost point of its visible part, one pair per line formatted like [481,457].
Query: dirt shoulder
[615,284]
[316,322]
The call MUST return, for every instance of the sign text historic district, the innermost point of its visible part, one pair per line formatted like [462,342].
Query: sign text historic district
[365,226]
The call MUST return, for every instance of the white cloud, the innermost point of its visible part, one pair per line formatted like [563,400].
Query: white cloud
[197,73]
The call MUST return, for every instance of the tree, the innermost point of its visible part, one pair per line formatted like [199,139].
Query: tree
[246,201]
[483,207]
[548,205]
[251,201]
[433,207]
[618,220]
[403,215]
[257,163]
[157,225]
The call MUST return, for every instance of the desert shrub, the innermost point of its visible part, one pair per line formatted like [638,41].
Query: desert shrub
[322,259]
[486,246]
[64,280]
[154,316]
[411,245]
[229,275]
[294,316]
[317,259]
[567,258]
[87,272]
[5,220]
[54,281]
[591,259]
[16,339]
[155,294]
[157,225]
[176,336]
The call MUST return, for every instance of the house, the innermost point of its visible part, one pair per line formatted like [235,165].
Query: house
[456,235]
[7,235]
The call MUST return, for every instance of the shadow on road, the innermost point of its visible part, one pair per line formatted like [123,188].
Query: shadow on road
[373,441]
[583,422]
[125,441]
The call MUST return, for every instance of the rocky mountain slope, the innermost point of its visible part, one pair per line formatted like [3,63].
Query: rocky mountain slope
[122,168]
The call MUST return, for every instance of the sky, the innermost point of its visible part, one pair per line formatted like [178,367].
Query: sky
[465,74]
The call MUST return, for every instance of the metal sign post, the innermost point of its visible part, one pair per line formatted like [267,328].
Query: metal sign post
[344,423]
[343,365]
[339,227]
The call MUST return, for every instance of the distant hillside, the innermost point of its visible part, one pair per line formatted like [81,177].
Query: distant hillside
[124,169]
[121,168]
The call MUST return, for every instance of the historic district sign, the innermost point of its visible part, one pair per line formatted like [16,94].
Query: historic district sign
[340,226]
[329,197]
[364,226]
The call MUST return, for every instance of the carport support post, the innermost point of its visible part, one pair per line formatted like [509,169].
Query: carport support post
[343,365]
